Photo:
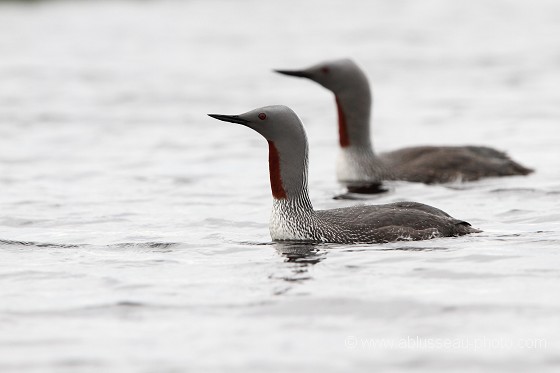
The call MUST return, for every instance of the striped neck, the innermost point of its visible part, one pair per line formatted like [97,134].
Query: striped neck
[288,164]
[292,212]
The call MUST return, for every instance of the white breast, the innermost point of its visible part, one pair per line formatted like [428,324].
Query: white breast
[287,222]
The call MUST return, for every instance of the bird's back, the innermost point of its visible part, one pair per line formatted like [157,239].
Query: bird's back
[438,164]
[389,222]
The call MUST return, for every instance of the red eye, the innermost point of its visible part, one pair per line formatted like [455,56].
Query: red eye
[325,69]
[262,116]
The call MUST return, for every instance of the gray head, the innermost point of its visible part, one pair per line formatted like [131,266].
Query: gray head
[353,97]
[337,76]
[287,141]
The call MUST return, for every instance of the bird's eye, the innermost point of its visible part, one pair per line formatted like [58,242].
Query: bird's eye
[325,69]
[262,116]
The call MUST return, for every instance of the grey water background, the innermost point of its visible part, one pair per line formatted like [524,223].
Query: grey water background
[134,229]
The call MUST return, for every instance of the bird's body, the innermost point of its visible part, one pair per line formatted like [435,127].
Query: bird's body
[399,221]
[293,217]
[442,164]
[359,166]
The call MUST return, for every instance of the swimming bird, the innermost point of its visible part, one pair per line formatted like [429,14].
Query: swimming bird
[361,170]
[293,217]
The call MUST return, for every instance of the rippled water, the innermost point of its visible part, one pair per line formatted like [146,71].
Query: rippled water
[133,228]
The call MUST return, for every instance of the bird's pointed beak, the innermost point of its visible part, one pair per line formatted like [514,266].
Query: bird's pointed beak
[298,73]
[230,118]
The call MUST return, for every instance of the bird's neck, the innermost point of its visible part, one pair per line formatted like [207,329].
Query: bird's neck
[354,111]
[292,215]
[276,184]
[288,177]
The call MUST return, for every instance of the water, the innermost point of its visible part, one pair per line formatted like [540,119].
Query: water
[133,228]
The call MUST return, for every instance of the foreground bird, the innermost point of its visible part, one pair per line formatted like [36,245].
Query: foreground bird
[361,170]
[293,217]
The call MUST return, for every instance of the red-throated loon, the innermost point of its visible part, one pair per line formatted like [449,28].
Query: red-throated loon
[360,169]
[293,217]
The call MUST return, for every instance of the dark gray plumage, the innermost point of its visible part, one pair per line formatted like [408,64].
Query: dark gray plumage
[441,164]
[391,222]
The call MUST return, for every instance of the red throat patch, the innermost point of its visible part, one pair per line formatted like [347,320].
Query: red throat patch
[342,128]
[278,191]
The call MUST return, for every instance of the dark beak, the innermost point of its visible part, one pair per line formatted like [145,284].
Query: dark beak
[230,118]
[298,73]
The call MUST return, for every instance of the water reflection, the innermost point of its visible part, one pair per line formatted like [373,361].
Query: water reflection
[302,253]
[300,257]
